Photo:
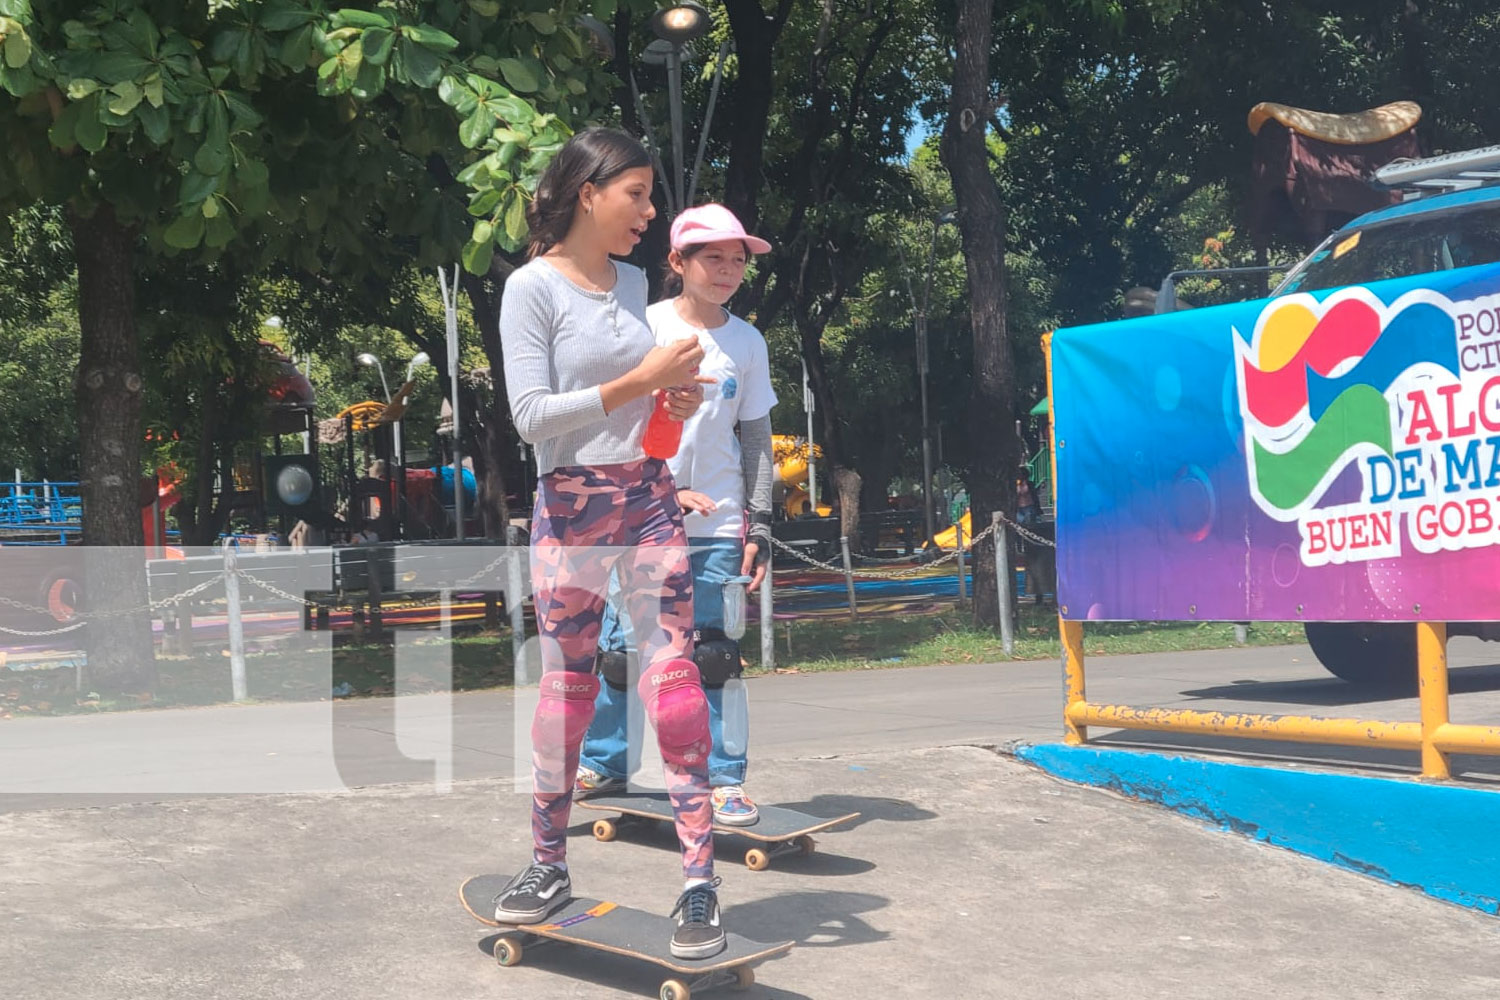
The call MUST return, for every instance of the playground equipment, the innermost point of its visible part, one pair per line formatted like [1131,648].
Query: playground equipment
[1328,455]
[390,499]
[948,540]
[790,487]
[39,512]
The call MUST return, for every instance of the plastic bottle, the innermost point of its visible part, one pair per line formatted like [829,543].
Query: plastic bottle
[734,606]
[735,706]
[736,712]
[663,434]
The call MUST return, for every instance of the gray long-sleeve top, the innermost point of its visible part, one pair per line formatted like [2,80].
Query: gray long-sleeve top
[561,343]
[757,465]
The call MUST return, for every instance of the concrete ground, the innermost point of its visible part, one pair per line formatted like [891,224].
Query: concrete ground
[968,875]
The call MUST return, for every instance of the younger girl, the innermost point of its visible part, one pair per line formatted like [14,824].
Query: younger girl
[582,372]
[723,471]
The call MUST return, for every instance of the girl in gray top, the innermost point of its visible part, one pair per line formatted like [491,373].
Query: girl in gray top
[582,372]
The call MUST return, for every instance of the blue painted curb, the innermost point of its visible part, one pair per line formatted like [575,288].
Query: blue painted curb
[1441,839]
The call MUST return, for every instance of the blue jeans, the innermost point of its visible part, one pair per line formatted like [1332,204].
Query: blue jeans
[606,748]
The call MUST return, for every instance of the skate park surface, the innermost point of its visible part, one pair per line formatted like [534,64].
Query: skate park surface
[291,851]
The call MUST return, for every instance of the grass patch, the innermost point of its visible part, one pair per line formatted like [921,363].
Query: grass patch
[299,668]
[950,637]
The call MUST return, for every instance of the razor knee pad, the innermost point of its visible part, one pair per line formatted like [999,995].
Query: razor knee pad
[565,710]
[678,709]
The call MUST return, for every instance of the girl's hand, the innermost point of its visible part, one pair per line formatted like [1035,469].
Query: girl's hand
[672,364]
[665,367]
[749,566]
[684,402]
[698,503]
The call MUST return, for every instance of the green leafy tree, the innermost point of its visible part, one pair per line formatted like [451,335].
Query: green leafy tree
[39,347]
[165,127]
[37,431]
[809,140]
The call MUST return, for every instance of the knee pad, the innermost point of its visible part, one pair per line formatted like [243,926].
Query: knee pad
[717,657]
[614,667]
[565,710]
[678,709]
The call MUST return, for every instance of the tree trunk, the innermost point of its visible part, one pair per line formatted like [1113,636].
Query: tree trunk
[198,522]
[496,434]
[1416,72]
[981,223]
[108,395]
[846,480]
[755,34]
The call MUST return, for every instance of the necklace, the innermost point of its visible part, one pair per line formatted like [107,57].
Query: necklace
[612,307]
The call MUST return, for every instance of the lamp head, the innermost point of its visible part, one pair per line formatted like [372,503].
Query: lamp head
[681,22]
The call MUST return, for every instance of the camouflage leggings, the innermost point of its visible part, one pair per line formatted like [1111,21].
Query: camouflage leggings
[588,521]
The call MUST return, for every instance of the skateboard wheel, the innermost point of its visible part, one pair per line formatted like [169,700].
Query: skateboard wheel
[675,989]
[604,830]
[806,845]
[508,951]
[757,860]
[744,977]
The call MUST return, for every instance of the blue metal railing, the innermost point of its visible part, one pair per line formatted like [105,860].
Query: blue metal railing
[27,505]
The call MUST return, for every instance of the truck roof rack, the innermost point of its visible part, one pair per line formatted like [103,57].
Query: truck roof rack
[1469,168]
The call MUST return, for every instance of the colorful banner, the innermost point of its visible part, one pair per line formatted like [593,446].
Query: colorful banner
[1332,456]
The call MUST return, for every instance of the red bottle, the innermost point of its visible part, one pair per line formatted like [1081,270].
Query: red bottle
[663,434]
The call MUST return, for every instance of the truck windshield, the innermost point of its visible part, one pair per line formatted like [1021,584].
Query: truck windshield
[1413,244]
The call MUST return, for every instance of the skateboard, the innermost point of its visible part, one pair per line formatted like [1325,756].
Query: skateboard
[781,830]
[619,930]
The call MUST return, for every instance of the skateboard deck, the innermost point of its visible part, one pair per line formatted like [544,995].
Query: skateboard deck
[786,831]
[620,930]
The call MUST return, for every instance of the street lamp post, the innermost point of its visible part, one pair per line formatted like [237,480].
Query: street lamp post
[415,363]
[449,289]
[400,441]
[674,99]
[919,321]
[369,360]
[809,404]
[675,26]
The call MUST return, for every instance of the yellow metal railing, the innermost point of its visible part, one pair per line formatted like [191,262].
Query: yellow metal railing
[1434,735]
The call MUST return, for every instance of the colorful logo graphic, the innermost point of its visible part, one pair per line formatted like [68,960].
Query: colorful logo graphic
[1320,387]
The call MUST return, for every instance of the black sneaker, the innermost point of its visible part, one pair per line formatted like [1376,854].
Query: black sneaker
[533,894]
[698,933]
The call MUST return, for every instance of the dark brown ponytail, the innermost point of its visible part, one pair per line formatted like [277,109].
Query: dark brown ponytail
[671,281]
[593,156]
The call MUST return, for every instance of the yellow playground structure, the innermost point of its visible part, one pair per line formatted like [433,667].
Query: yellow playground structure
[948,540]
[790,454]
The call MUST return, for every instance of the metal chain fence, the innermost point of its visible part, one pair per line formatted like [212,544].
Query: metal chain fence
[899,574]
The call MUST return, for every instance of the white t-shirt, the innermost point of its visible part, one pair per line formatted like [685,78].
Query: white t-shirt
[708,460]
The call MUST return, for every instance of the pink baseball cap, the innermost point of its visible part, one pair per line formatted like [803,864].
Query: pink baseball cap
[712,224]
